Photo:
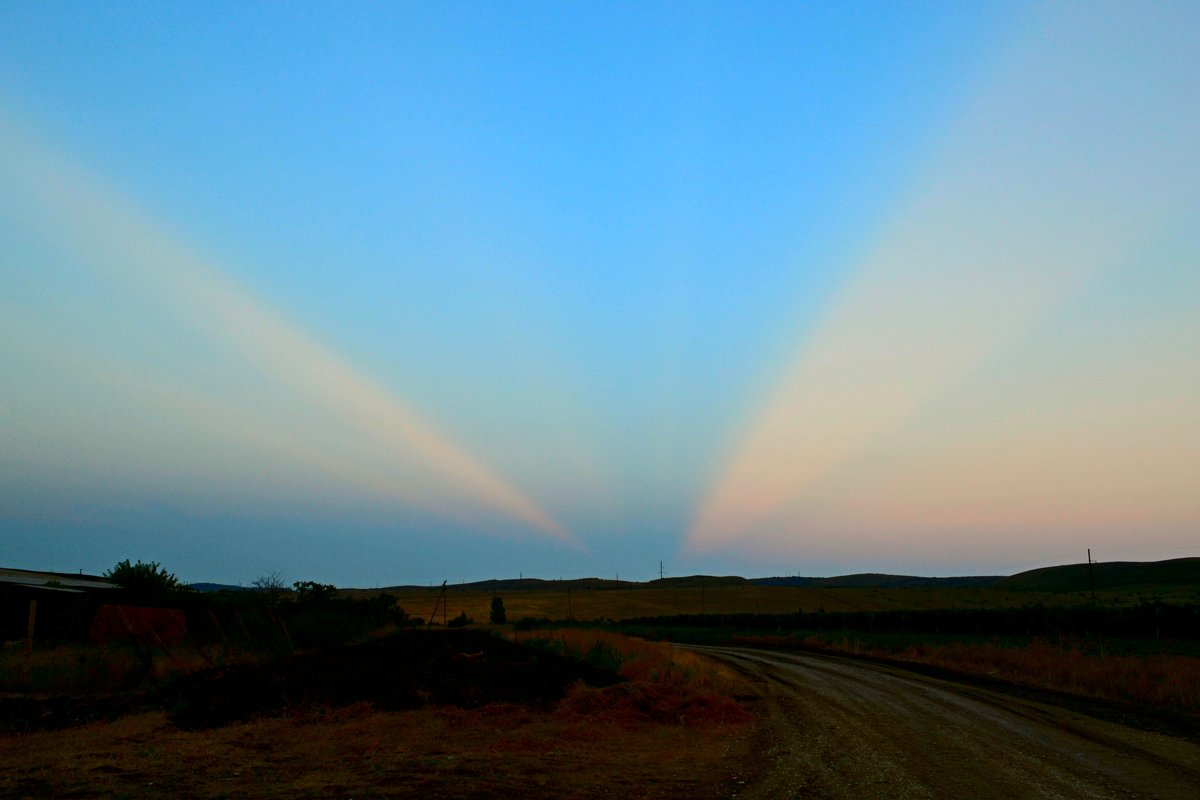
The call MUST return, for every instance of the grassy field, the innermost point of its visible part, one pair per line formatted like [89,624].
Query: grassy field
[616,604]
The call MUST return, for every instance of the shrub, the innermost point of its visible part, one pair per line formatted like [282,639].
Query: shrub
[498,616]
[313,593]
[461,621]
[144,582]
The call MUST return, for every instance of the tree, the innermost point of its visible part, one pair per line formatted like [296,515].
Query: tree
[144,582]
[313,592]
[498,615]
[271,584]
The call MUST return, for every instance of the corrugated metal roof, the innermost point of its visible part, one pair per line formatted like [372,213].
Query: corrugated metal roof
[24,577]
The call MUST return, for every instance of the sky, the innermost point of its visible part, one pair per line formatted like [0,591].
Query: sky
[379,294]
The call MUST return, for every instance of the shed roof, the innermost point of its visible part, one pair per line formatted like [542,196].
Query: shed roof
[62,580]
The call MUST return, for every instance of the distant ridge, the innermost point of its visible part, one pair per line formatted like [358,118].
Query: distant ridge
[538,584]
[1066,578]
[584,584]
[697,581]
[859,581]
[875,580]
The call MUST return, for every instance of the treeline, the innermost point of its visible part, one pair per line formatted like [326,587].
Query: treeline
[1151,620]
[259,622]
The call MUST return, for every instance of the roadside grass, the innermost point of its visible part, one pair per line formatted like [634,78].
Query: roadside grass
[1100,668]
[1158,681]
[663,684]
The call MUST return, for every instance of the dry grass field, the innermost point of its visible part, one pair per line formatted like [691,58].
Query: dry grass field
[494,751]
[671,729]
[617,604]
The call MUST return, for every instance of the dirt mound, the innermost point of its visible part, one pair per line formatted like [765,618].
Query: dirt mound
[408,670]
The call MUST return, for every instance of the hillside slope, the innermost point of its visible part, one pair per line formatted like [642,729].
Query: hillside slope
[1107,575]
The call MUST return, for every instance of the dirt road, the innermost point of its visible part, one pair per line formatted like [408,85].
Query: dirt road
[838,728]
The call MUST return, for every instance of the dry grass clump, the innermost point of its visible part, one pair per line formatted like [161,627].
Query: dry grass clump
[663,684]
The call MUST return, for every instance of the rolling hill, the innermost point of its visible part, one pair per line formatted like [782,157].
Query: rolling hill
[1107,575]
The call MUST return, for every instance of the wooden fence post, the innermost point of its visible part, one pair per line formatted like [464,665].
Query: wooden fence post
[29,640]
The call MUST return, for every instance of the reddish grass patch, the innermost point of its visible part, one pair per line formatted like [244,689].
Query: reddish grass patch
[663,684]
[1159,681]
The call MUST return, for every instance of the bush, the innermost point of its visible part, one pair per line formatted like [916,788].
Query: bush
[313,593]
[146,583]
[461,621]
[498,616]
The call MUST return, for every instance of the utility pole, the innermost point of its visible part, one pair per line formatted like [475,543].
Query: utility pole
[660,570]
[1091,578]
[441,601]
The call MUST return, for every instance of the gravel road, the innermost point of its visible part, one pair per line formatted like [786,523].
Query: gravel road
[841,728]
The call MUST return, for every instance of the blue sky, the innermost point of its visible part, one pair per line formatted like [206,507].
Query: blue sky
[390,294]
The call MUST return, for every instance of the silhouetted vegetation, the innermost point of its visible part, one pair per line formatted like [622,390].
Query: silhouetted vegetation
[145,583]
[461,621]
[272,584]
[313,593]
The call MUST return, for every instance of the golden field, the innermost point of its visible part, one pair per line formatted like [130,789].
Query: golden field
[616,604]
